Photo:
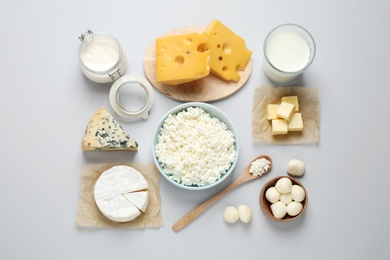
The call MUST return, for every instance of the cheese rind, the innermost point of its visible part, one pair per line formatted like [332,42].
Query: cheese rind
[228,51]
[271,111]
[103,132]
[285,111]
[292,100]
[279,127]
[110,190]
[182,58]
[296,122]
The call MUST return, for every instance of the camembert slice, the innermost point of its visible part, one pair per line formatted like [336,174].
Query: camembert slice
[112,189]
[103,132]
[228,51]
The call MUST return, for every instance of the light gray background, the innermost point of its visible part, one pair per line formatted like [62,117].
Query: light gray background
[46,103]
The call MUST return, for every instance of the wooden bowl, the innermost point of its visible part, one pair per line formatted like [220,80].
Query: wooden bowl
[266,205]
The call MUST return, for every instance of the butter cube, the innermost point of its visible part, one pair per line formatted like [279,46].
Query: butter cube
[279,127]
[295,123]
[285,111]
[292,100]
[271,111]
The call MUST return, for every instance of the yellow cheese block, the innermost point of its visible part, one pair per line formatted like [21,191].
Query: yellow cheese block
[271,111]
[228,51]
[295,123]
[182,58]
[279,127]
[292,100]
[285,111]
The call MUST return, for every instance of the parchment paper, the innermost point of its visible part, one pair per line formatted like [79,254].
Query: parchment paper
[89,215]
[309,106]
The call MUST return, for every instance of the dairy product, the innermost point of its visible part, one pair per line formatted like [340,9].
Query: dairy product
[285,111]
[259,166]
[245,213]
[103,132]
[296,123]
[283,185]
[294,208]
[115,193]
[279,127]
[182,58]
[228,51]
[101,57]
[194,148]
[279,209]
[292,100]
[271,111]
[295,167]
[230,214]
[288,50]
[272,195]
[298,193]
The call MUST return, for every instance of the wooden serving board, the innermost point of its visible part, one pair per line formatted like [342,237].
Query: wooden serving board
[207,89]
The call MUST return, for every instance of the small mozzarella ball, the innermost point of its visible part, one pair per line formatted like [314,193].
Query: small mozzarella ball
[298,193]
[296,167]
[283,185]
[294,208]
[286,198]
[279,209]
[230,214]
[245,213]
[272,194]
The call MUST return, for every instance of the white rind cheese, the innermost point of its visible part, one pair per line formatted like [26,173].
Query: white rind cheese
[112,193]
[103,132]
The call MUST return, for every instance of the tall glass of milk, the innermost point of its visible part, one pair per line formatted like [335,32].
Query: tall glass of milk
[289,49]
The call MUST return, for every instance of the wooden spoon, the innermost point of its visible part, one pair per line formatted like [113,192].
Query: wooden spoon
[245,176]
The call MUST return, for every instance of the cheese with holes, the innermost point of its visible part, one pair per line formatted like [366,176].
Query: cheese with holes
[182,58]
[121,193]
[285,111]
[292,100]
[228,51]
[103,132]
[295,123]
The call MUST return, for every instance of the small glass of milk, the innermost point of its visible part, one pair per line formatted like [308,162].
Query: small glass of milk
[101,57]
[288,50]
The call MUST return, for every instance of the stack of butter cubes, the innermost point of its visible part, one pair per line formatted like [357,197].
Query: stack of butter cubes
[285,117]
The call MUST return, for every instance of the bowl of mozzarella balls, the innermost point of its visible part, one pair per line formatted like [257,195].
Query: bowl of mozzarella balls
[195,146]
[283,199]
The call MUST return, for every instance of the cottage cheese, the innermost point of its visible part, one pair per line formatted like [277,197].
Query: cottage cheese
[194,148]
[259,167]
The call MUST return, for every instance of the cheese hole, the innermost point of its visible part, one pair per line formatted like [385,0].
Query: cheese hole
[224,68]
[226,48]
[132,97]
[188,40]
[219,46]
[179,60]
[220,58]
[202,47]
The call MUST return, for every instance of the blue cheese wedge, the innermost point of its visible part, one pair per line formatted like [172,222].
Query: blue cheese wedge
[121,193]
[103,132]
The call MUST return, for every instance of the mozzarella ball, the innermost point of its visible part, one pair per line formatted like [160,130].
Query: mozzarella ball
[294,208]
[283,185]
[272,194]
[279,209]
[230,214]
[298,193]
[296,167]
[286,198]
[245,213]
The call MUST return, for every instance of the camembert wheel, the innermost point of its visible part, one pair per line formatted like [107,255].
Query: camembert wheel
[121,193]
